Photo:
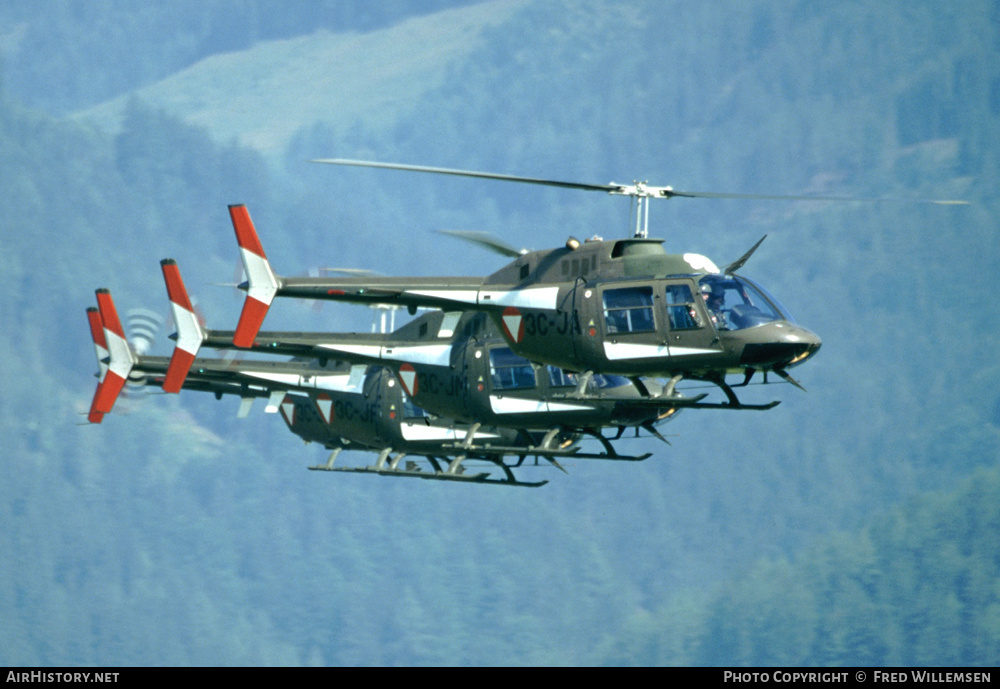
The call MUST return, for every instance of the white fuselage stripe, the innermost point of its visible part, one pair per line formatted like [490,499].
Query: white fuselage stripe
[691,351]
[518,405]
[337,383]
[463,296]
[530,298]
[421,431]
[434,355]
[616,351]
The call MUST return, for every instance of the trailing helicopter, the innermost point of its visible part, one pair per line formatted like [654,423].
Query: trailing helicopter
[623,307]
[455,365]
[363,406]
[340,407]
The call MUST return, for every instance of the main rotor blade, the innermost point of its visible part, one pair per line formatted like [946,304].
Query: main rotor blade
[471,173]
[640,189]
[357,272]
[486,240]
[670,193]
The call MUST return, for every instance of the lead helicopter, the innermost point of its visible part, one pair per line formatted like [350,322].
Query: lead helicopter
[623,307]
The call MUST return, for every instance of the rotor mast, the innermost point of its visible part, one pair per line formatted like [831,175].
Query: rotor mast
[642,193]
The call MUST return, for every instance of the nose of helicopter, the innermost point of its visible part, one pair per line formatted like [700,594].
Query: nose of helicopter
[778,345]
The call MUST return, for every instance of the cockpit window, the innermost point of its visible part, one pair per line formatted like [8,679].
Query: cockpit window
[681,309]
[558,378]
[629,310]
[736,303]
[606,381]
[510,371]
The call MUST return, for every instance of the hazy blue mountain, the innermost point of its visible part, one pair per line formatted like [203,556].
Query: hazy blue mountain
[263,95]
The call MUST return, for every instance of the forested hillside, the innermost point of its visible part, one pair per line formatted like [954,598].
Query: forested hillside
[915,585]
[71,54]
[853,524]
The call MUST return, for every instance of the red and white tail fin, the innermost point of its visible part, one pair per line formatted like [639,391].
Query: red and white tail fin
[120,361]
[190,334]
[100,344]
[262,283]
[101,350]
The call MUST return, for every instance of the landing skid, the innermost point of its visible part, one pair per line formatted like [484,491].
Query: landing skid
[734,401]
[611,452]
[455,471]
[483,477]
[737,405]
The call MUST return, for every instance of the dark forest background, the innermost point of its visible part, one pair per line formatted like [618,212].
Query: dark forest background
[854,524]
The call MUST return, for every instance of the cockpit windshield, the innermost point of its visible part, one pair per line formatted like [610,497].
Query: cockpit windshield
[736,303]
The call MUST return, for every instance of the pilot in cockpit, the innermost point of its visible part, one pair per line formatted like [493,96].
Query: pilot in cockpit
[715,300]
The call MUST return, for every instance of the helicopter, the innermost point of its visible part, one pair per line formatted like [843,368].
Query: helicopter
[362,406]
[526,361]
[622,307]
[454,365]
[340,407]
